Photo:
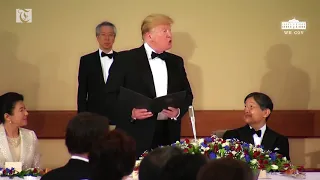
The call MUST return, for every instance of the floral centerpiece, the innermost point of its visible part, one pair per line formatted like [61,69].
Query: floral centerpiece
[11,173]
[257,158]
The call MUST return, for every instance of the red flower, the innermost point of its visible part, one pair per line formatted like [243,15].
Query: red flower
[144,154]
[286,165]
[215,148]
[261,166]
[279,156]
[256,154]
[136,168]
[185,150]
[300,168]
[190,146]
[265,162]
[261,156]
[187,141]
[35,170]
[4,171]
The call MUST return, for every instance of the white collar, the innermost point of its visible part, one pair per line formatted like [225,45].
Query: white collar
[100,51]
[149,50]
[263,129]
[79,158]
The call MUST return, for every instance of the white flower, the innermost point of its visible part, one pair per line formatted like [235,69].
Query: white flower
[225,144]
[137,162]
[276,149]
[284,158]
[200,140]
[234,152]
[274,167]
[253,161]
[242,155]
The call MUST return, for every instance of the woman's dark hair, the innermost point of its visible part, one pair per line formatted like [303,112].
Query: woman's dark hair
[225,169]
[7,104]
[113,156]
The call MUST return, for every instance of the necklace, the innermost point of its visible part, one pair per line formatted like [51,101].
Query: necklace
[14,142]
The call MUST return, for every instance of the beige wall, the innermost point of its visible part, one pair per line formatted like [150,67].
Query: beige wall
[227,46]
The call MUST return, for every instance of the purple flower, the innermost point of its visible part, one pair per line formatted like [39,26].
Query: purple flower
[245,145]
[227,148]
[247,158]
[273,156]
[204,144]
[207,139]
[212,155]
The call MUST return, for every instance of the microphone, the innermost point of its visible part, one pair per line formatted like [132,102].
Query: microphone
[193,122]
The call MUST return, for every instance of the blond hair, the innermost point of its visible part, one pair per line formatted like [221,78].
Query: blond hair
[154,20]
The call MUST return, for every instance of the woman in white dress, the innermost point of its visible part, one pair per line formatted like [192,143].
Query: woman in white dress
[17,144]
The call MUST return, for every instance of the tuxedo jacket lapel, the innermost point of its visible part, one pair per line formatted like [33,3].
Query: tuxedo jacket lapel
[146,70]
[247,135]
[170,71]
[268,140]
[98,65]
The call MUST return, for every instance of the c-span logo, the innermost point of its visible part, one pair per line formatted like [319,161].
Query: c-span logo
[294,27]
[23,15]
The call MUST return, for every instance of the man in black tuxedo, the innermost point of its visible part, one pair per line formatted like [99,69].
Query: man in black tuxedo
[94,71]
[153,72]
[258,107]
[81,133]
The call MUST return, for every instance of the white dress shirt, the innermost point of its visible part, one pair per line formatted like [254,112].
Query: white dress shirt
[79,158]
[160,76]
[258,140]
[106,62]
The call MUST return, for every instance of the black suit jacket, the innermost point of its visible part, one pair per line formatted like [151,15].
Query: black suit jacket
[132,70]
[91,85]
[271,140]
[73,170]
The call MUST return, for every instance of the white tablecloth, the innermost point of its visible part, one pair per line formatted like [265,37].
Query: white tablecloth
[309,176]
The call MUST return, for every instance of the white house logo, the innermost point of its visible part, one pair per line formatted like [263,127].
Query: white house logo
[23,15]
[293,26]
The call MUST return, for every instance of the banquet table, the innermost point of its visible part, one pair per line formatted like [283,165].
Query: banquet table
[309,176]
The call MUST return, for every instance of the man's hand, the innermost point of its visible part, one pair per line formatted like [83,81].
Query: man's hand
[140,114]
[172,112]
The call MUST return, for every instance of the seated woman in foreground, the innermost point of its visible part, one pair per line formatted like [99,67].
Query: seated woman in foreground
[258,107]
[16,144]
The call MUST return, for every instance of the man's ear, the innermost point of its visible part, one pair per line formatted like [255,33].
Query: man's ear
[266,113]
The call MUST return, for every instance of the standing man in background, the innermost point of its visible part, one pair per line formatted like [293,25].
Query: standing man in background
[153,72]
[94,71]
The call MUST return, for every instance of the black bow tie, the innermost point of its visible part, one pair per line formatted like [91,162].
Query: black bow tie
[256,132]
[161,56]
[109,55]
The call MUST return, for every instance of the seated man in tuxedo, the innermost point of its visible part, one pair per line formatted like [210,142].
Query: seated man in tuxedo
[258,107]
[82,132]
